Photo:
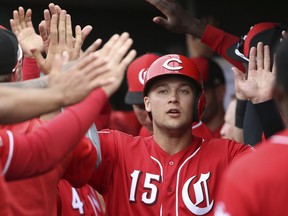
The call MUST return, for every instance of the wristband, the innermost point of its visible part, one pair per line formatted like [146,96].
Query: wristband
[240,113]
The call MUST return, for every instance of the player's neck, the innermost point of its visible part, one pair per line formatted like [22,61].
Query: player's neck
[173,143]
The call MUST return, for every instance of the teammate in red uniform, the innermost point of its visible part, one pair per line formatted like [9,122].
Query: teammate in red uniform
[171,172]
[257,183]
[235,50]
[135,75]
[79,201]
[215,86]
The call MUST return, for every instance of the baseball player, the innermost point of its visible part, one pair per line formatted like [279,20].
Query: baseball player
[135,76]
[257,183]
[234,49]
[171,172]
[78,201]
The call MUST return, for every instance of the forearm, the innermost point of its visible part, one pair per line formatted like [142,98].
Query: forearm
[16,106]
[271,123]
[219,41]
[45,147]
[40,82]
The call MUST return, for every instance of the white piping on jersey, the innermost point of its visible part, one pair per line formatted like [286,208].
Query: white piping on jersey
[161,168]
[162,177]
[92,204]
[178,176]
[11,149]
[279,139]
[197,125]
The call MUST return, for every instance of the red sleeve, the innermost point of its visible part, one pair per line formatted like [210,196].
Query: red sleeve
[219,41]
[30,69]
[82,163]
[41,150]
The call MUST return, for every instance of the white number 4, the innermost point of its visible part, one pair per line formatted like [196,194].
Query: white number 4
[76,201]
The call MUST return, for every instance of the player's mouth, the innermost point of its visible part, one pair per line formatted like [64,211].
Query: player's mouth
[174,112]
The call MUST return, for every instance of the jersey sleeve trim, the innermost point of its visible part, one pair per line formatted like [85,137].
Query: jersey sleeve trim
[10,153]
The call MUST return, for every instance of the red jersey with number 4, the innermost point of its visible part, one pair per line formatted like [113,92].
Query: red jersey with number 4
[257,184]
[78,201]
[37,195]
[136,177]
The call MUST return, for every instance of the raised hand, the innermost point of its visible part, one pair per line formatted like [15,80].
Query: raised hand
[22,27]
[260,78]
[114,58]
[61,39]
[178,19]
[44,26]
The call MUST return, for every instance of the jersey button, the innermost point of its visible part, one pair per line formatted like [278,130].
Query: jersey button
[171,163]
[169,189]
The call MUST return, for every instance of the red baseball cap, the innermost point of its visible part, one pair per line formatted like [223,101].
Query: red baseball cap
[135,76]
[269,33]
[212,73]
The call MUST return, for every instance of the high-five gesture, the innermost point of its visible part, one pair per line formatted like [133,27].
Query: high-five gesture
[260,78]
[61,39]
[178,19]
[22,27]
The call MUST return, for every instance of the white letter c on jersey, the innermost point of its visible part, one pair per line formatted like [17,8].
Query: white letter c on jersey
[198,195]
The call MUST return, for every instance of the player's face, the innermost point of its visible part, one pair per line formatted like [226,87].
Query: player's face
[170,101]
[227,130]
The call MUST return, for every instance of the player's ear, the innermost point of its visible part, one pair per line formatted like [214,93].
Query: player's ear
[147,104]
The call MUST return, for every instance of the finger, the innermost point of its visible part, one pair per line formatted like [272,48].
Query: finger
[120,51]
[267,60]
[28,18]
[52,9]
[119,45]
[93,47]
[78,42]
[252,59]
[239,76]
[13,27]
[62,28]
[69,35]
[107,46]
[128,58]
[22,17]
[260,56]
[17,21]
[54,31]
[47,18]
[43,31]
[86,31]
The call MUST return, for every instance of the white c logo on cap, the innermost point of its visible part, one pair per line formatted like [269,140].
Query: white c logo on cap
[141,75]
[165,64]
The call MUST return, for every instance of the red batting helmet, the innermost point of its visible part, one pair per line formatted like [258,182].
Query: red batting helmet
[174,64]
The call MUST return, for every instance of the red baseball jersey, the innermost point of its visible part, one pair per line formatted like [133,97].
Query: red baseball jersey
[136,177]
[257,184]
[78,201]
[42,188]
